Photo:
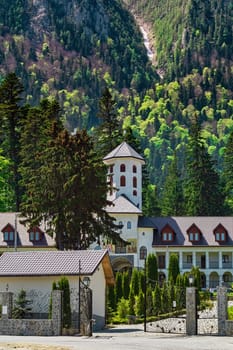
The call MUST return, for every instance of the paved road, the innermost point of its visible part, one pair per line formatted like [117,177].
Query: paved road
[129,338]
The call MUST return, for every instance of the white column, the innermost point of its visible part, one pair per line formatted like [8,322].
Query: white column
[181,261]
[167,259]
[207,262]
[194,259]
[220,259]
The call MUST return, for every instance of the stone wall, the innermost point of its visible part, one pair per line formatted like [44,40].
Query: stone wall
[33,327]
[229,328]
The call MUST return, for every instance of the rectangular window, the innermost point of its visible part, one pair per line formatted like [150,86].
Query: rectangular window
[169,236]
[217,236]
[222,236]
[196,236]
[225,258]
[189,259]
[8,236]
[191,236]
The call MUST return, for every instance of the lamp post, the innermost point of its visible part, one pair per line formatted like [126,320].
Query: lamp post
[145,291]
[191,279]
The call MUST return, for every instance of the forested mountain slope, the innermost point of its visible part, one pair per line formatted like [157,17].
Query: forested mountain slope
[72,49]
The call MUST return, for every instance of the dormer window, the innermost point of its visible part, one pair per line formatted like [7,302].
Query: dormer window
[194,233]
[35,234]
[122,168]
[134,169]
[8,233]
[167,234]
[220,233]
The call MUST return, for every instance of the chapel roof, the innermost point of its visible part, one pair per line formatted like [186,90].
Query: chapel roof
[123,205]
[124,150]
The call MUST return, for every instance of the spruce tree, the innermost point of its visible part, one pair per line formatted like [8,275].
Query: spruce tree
[107,134]
[66,184]
[172,197]
[228,171]
[11,113]
[202,192]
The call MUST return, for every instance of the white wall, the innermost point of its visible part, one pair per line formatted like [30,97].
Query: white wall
[39,289]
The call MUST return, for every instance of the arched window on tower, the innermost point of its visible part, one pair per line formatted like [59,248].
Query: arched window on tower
[122,181]
[143,253]
[122,168]
[134,169]
[134,181]
[129,225]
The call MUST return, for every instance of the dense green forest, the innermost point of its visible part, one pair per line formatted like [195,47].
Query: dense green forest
[72,50]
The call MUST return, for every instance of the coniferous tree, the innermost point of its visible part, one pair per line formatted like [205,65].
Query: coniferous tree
[125,284]
[108,133]
[21,308]
[172,198]
[173,268]
[135,283]
[152,269]
[111,298]
[10,115]
[131,302]
[68,184]
[157,300]
[139,306]
[202,193]
[118,287]
[228,171]
[165,298]
[63,285]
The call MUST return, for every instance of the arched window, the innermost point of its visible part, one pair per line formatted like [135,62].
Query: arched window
[143,253]
[134,181]
[122,181]
[134,169]
[111,168]
[122,168]
[135,193]
[129,225]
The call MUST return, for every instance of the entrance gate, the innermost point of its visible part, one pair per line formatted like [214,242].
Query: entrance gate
[190,322]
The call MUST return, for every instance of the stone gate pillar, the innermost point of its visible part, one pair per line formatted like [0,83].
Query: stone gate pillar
[191,311]
[57,311]
[222,309]
[7,302]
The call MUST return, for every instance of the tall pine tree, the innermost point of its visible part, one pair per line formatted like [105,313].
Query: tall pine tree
[10,115]
[202,192]
[172,198]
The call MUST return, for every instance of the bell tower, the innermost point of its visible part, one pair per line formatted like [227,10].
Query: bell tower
[125,173]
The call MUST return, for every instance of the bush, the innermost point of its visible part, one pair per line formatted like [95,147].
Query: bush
[123,308]
[21,308]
